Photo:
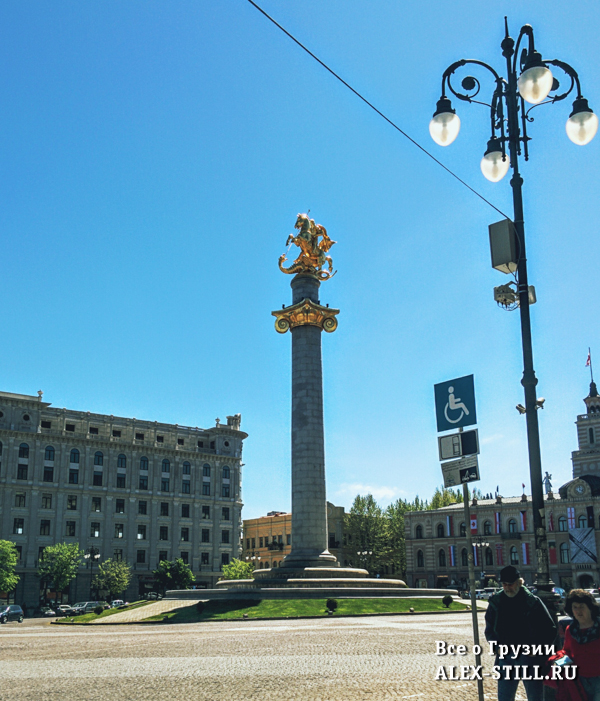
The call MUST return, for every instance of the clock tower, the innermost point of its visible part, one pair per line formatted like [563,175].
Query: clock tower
[586,460]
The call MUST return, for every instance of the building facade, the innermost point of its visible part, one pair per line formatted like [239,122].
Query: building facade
[139,491]
[502,528]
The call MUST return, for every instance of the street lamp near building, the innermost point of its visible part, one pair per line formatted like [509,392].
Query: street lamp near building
[529,83]
[92,555]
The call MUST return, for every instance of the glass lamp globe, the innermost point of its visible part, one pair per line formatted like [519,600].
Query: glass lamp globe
[582,124]
[535,83]
[445,124]
[492,165]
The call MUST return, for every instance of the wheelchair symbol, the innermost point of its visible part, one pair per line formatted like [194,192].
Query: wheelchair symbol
[454,404]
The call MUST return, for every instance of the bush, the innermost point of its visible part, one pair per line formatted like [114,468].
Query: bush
[200,606]
[331,604]
[447,600]
[98,610]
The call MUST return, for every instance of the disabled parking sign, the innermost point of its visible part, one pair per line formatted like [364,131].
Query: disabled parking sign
[455,403]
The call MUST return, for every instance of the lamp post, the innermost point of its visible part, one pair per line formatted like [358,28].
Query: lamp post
[92,554]
[529,80]
[483,544]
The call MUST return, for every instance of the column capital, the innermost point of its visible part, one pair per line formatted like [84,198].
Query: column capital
[306,313]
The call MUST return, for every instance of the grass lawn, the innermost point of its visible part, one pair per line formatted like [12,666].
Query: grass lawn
[284,608]
[87,617]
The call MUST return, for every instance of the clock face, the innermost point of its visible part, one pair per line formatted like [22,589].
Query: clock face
[579,489]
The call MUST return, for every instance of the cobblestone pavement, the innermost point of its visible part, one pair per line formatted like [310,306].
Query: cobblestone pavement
[345,659]
[143,612]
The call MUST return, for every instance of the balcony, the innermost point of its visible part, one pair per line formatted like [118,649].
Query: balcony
[510,536]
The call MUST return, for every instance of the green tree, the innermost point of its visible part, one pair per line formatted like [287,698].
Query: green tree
[173,574]
[113,576]
[8,562]
[58,565]
[366,534]
[237,569]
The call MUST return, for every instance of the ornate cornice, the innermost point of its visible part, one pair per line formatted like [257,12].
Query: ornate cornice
[306,313]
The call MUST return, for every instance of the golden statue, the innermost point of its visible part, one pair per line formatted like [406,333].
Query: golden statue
[313,252]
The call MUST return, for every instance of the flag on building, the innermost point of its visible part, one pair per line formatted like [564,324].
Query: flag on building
[498,522]
[449,525]
[571,516]
[525,553]
[588,362]
[473,524]
[523,520]
[452,555]
[475,559]
[552,553]
[499,554]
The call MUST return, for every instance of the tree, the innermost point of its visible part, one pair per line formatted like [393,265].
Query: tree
[366,531]
[59,564]
[113,576]
[9,557]
[173,574]
[237,569]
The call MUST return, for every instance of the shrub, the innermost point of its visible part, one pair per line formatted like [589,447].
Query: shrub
[447,600]
[98,610]
[331,604]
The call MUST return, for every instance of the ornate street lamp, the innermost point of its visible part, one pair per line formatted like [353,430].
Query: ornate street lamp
[92,554]
[529,80]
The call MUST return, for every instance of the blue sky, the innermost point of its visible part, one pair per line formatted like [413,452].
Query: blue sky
[153,158]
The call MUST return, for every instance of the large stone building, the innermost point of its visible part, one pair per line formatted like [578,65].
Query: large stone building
[139,491]
[502,528]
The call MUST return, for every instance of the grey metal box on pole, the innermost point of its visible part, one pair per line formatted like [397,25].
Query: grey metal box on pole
[503,246]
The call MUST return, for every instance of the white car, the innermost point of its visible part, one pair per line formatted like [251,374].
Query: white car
[116,603]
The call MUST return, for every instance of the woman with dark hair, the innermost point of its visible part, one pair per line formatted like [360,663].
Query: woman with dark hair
[582,640]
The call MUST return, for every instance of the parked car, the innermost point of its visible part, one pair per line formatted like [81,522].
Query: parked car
[84,607]
[116,603]
[47,611]
[11,613]
[152,595]
[488,592]
[63,610]
[479,593]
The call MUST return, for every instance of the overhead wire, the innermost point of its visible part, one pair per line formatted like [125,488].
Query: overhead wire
[379,112]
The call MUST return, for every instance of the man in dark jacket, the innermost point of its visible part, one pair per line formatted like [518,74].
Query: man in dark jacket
[517,622]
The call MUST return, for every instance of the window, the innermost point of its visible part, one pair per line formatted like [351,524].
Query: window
[164,484]
[206,512]
[141,557]
[44,527]
[141,533]
[23,450]
[204,559]
[96,503]
[512,526]
[487,528]
[160,439]
[564,553]
[489,558]
[49,453]
[187,468]
[583,522]
[225,473]
[70,529]
[74,458]
[73,476]
[119,529]
[266,540]
[419,532]
[463,530]
[279,539]
[143,463]
[116,433]
[185,534]
[206,470]
[120,481]
[20,499]
[121,461]
[420,559]
[212,445]
[46,424]
[247,543]
[94,430]
[163,533]
[142,507]
[139,437]
[205,535]
[70,428]
[206,489]
[163,555]
[97,479]
[166,466]
[164,508]
[224,536]
[71,502]
[180,441]
[185,487]
[514,557]
[22,472]
[225,513]
[120,506]
[224,559]
[260,542]
[143,482]
[464,558]
[19,552]
[48,474]
[225,490]
[562,524]
[289,538]
[185,557]
[98,458]
[440,530]
[118,555]
[254,543]
[442,557]
[185,511]
[94,530]
[41,553]
[18,526]
[46,501]
[591,435]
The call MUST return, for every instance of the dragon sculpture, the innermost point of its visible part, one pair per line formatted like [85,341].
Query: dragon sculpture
[314,243]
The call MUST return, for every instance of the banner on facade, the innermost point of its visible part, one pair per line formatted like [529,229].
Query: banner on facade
[583,545]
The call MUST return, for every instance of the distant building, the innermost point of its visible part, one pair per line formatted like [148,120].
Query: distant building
[436,547]
[139,491]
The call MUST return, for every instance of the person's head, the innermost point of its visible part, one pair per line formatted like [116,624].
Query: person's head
[511,581]
[579,602]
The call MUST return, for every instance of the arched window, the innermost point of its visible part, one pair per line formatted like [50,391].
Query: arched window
[514,557]
[591,434]
[583,522]
[419,532]
[166,465]
[420,559]
[564,553]
[144,463]
[489,558]
[512,526]
[464,558]
[487,528]
[98,458]
[23,450]
[121,461]
[225,473]
[49,453]
[206,470]
[187,468]
[74,458]
[562,524]
[440,530]
[463,529]
[442,557]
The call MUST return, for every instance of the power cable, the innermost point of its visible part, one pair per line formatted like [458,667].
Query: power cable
[379,112]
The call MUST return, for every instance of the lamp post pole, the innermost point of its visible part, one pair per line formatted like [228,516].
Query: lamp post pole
[509,117]
[92,554]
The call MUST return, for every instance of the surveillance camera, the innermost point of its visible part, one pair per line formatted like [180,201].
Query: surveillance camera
[539,404]
[521,409]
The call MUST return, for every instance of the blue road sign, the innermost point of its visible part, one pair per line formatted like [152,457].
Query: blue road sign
[455,403]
